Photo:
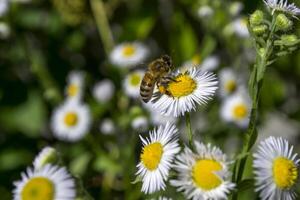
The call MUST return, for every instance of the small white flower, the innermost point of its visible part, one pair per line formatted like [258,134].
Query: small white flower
[229,82]
[71,121]
[48,155]
[132,83]
[4,6]
[208,64]
[104,90]
[129,54]
[49,183]
[156,157]
[107,127]
[204,174]
[238,27]
[140,123]
[75,84]
[235,8]
[236,109]
[205,11]
[159,119]
[276,169]
[282,6]
[182,95]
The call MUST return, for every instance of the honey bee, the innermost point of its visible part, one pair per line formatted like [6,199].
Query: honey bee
[157,73]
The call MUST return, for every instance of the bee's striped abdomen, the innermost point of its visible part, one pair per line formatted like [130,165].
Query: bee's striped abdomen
[147,86]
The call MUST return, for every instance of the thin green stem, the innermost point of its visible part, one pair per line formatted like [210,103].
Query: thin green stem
[102,25]
[189,130]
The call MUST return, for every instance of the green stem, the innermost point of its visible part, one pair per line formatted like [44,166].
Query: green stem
[102,25]
[189,130]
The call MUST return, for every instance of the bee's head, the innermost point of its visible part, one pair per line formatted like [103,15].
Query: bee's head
[167,60]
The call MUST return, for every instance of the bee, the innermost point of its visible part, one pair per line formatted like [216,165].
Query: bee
[157,73]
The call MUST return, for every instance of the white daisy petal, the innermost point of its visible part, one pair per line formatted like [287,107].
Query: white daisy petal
[132,82]
[48,155]
[282,6]
[104,90]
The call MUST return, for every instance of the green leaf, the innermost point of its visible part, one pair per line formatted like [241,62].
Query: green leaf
[79,165]
[245,185]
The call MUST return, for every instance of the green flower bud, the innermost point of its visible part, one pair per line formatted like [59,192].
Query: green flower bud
[283,23]
[289,40]
[262,52]
[256,18]
[47,156]
[260,29]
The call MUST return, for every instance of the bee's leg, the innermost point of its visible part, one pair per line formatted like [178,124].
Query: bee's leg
[169,79]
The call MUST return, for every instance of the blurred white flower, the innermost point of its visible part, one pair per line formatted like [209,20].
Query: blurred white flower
[205,11]
[210,63]
[4,6]
[4,30]
[129,54]
[229,82]
[235,8]
[140,123]
[159,119]
[282,6]
[75,85]
[236,109]
[238,27]
[71,121]
[104,90]
[203,174]
[50,182]
[132,82]
[107,126]
[47,155]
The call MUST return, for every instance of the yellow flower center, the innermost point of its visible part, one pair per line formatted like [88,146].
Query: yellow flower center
[135,79]
[230,86]
[72,90]
[204,176]
[183,86]
[285,173]
[71,119]
[128,50]
[38,188]
[196,60]
[240,111]
[151,155]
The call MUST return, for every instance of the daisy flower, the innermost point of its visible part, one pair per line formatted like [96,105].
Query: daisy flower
[49,183]
[276,169]
[104,90]
[132,82]
[107,127]
[129,54]
[235,8]
[238,27]
[71,121]
[228,82]
[203,174]
[74,89]
[236,109]
[282,6]
[46,156]
[208,64]
[156,157]
[182,95]
[140,123]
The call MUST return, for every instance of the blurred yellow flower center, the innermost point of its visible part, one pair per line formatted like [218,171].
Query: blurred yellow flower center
[183,86]
[151,155]
[285,173]
[128,50]
[135,79]
[71,119]
[38,188]
[230,86]
[72,90]
[204,176]
[196,60]
[240,111]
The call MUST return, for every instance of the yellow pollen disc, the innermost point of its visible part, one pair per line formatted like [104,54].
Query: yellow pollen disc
[38,188]
[230,86]
[72,90]
[135,79]
[285,173]
[204,176]
[128,50]
[240,111]
[196,60]
[183,86]
[151,155]
[71,119]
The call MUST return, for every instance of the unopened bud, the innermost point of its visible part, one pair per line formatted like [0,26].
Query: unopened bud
[260,29]
[47,156]
[262,52]
[283,23]
[289,40]
[256,18]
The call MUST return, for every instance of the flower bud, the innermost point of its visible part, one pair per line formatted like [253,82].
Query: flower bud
[47,156]
[262,52]
[256,18]
[260,29]
[289,40]
[283,23]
